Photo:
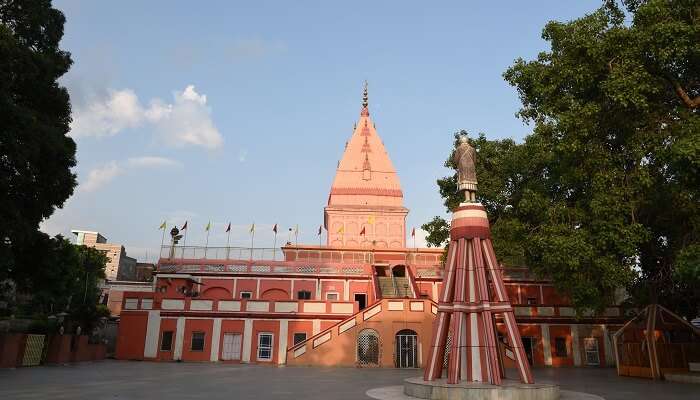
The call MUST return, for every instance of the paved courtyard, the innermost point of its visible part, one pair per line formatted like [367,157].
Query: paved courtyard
[172,381]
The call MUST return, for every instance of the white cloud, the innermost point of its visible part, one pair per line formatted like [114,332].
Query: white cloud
[100,176]
[150,161]
[185,122]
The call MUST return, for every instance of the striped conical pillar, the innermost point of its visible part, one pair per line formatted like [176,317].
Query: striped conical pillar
[472,295]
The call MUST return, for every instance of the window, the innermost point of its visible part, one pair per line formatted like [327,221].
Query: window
[166,342]
[304,295]
[299,337]
[197,341]
[560,347]
[131,304]
[264,346]
[532,301]
[332,296]
[146,304]
[246,295]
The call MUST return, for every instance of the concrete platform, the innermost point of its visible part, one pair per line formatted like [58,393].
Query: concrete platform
[688,377]
[396,393]
[509,390]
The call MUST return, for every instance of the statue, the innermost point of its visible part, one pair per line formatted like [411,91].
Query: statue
[465,158]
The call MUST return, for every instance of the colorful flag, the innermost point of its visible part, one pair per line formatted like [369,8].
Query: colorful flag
[320,228]
[162,226]
[184,226]
[413,232]
[208,226]
[362,232]
[274,229]
[252,228]
[341,230]
[228,228]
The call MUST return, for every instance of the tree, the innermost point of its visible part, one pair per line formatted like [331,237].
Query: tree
[63,278]
[604,193]
[36,156]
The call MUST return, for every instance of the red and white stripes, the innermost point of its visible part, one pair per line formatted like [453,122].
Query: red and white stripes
[472,293]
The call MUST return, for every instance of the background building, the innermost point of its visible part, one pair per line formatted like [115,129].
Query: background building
[116,254]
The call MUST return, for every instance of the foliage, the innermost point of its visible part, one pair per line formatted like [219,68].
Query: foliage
[62,277]
[36,156]
[604,193]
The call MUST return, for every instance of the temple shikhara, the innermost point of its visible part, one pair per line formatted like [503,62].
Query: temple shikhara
[364,298]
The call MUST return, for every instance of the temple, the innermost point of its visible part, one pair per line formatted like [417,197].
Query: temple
[364,298]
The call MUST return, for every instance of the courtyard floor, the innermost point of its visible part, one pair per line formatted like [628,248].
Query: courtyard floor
[172,381]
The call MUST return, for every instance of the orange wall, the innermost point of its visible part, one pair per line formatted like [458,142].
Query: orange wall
[565,332]
[131,337]
[265,326]
[194,325]
[246,285]
[169,324]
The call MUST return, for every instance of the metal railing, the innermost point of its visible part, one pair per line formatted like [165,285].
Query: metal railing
[288,254]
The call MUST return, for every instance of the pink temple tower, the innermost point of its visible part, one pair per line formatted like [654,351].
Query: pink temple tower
[365,205]
[473,295]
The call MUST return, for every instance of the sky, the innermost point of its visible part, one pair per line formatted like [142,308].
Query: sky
[231,111]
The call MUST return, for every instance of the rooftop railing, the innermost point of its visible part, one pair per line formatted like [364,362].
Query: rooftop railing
[288,254]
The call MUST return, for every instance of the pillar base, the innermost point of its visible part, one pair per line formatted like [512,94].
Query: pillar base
[509,390]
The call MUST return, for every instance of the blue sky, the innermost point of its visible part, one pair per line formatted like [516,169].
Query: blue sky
[239,111]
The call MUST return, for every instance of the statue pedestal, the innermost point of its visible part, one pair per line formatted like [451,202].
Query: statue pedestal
[510,390]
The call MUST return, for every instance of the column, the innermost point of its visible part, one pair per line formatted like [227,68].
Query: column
[179,338]
[608,348]
[215,340]
[316,327]
[346,290]
[247,339]
[546,345]
[318,290]
[150,349]
[575,347]
[282,342]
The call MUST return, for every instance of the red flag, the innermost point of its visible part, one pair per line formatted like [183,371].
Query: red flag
[228,228]
[413,232]
[362,232]
[184,226]
[320,227]
[274,229]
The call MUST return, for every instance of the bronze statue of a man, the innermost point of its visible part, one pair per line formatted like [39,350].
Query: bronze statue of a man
[465,158]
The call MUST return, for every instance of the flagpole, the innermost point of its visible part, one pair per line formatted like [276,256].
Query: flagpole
[206,244]
[252,237]
[296,236]
[228,242]
[274,248]
[162,240]
[184,241]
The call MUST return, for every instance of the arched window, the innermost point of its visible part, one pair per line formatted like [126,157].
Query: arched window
[368,348]
[406,355]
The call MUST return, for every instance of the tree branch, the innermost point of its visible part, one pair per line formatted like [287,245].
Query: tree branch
[690,103]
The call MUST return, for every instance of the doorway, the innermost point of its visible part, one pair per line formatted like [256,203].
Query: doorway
[406,349]
[592,354]
[528,345]
[361,300]
[232,347]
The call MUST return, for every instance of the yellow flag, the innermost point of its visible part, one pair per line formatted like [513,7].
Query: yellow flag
[162,226]
[370,220]
[341,230]
[208,226]
[252,228]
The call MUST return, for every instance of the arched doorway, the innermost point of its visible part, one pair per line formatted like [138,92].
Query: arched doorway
[368,348]
[398,271]
[406,355]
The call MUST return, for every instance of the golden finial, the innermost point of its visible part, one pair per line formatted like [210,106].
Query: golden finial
[364,96]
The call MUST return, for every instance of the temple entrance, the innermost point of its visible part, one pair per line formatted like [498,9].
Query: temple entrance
[368,348]
[406,355]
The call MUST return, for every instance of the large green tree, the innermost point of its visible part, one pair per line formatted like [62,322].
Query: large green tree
[36,155]
[604,193]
